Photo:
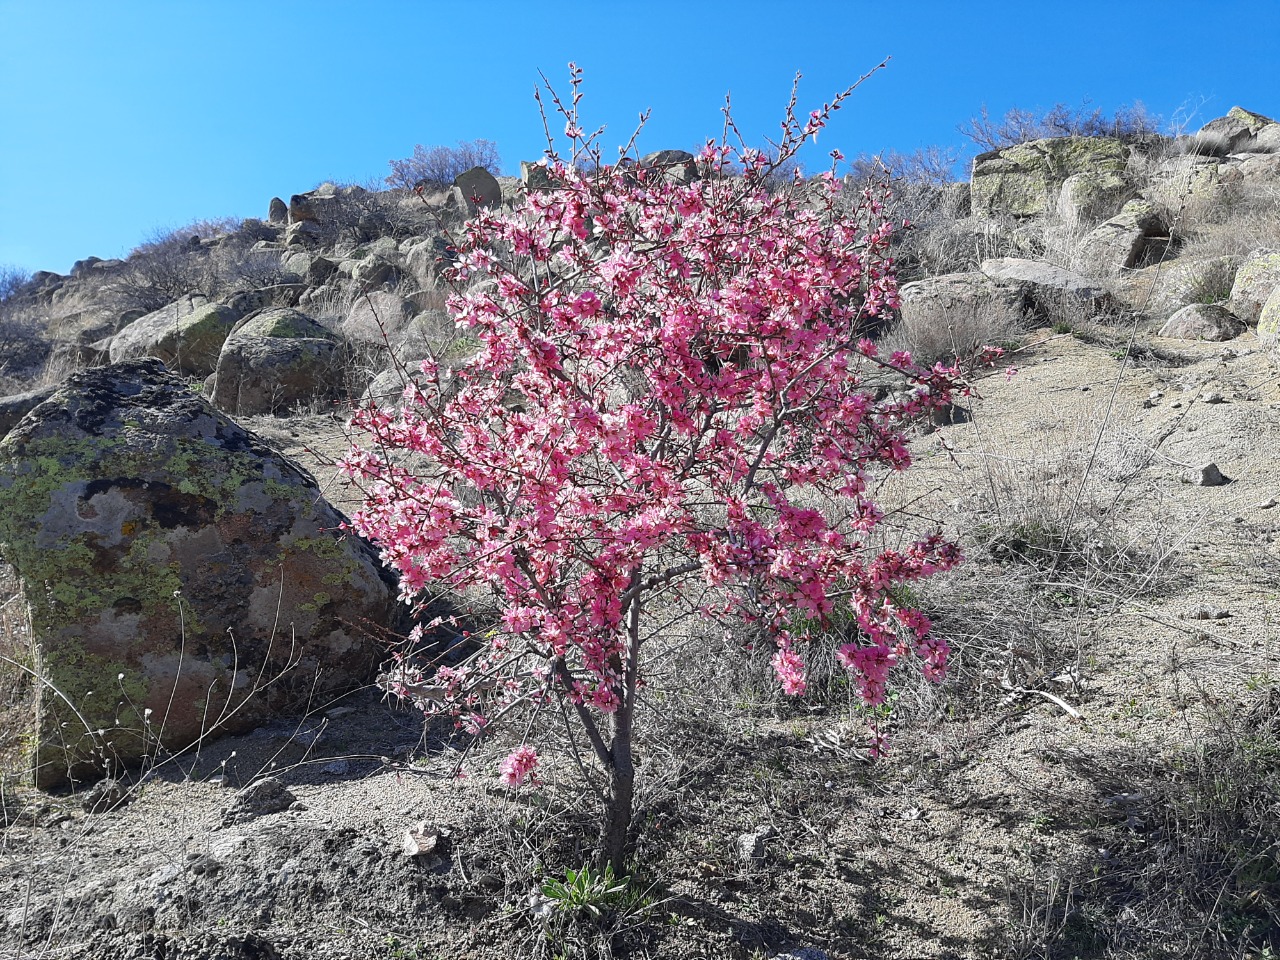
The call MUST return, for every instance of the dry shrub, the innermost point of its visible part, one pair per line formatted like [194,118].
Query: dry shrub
[1182,850]
[948,331]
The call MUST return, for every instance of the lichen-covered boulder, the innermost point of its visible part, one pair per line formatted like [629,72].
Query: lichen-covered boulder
[1129,238]
[1203,321]
[1092,196]
[1024,180]
[1253,284]
[276,360]
[1240,131]
[183,579]
[187,335]
[1161,290]
[278,212]
[1269,319]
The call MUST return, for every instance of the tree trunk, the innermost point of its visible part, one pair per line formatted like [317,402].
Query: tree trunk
[612,847]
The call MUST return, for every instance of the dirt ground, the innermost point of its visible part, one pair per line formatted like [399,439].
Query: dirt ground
[1008,821]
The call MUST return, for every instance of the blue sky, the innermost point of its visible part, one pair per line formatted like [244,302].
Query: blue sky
[121,118]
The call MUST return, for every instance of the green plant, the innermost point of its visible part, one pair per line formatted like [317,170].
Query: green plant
[586,891]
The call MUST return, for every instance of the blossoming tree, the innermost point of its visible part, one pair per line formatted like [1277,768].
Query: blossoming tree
[671,374]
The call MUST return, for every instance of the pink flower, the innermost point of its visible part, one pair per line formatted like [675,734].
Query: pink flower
[519,767]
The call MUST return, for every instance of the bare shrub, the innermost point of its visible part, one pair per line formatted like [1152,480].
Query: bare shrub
[1181,859]
[1130,123]
[438,166]
[167,266]
[12,280]
[950,331]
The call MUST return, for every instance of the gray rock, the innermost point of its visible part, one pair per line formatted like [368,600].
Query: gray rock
[376,315]
[302,209]
[1269,318]
[1203,321]
[1253,284]
[1044,279]
[1089,197]
[802,953]
[14,408]
[1240,131]
[752,847]
[108,794]
[278,212]
[535,176]
[259,799]
[1025,180]
[480,187]
[172,563]
[1126,240]
[275,360]
[187,338]
[677,165]
[1207,476]
[304,233]
[372,271]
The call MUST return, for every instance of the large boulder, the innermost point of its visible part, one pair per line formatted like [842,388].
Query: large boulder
[187,335]
[676,165]
[480,187]
[275,361]
[1025,180]
[1203,321]
[1269,319]
[1161,290]
[951,314]
[376,315]
[16,406]
[183,579]
[1050,289]
[1240,131]
[1253,284]
[1128,239]
[1092,196]
[278,212]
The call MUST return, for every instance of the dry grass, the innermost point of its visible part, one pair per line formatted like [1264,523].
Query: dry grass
[17,694]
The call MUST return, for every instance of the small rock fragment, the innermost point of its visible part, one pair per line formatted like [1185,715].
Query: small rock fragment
[1267,504]
[267,795]
[1207,476]
[424,839]
[1212,396]
[751,846]
[106,795]
[1209,613]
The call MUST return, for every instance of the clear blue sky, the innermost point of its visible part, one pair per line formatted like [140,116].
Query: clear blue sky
[119,117]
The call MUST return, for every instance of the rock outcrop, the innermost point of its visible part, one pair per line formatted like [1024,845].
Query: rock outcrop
[1026,180]
[183,579]
[276,360]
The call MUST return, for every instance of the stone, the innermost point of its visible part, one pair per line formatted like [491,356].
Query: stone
[676,165]
[183,580]
[372,271]
[1126,240]
[1048,287]
[1163,289]
[305,233]
[1194,185]
[1203,321]
[275,361]
[1207,476]
[1269,318]
[277,295]
[187,338]
[278,211]
[947,310]
[260,798]
[376,315]
[480,187]
[1089,197]
[752,847]
[1240,131]
[312,268]
[108,794]
[1254,281]
[301,209]
[13,408]
[82,267]
[536,176]
[1025,180]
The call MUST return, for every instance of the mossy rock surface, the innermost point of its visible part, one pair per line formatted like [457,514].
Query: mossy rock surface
[1024,180]
[184,580]
[1255,280]
[187,336]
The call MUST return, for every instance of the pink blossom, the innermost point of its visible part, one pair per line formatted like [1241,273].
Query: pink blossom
[519,767]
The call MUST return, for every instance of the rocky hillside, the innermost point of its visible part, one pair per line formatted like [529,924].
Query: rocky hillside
[1097,778]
